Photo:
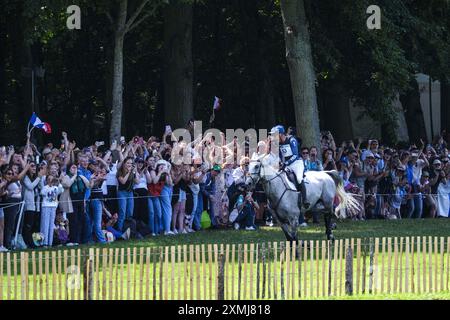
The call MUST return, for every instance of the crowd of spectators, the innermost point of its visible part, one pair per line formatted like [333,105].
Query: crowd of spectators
[408,181]
[71,195]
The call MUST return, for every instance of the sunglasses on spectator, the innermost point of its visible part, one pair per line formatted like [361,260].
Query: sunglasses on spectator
[9,173]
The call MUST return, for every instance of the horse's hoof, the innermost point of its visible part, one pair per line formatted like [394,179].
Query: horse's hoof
[333,226]
[331,238]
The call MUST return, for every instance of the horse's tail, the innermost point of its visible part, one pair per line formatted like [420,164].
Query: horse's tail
[346,200]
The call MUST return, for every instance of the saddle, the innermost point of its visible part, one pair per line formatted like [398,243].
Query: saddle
[301,189]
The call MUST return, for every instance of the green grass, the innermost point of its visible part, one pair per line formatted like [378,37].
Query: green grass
[345,230]
[136,276]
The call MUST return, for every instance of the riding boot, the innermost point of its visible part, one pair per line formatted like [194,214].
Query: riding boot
[306,204]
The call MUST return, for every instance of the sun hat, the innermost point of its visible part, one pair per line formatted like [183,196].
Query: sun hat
[437,161]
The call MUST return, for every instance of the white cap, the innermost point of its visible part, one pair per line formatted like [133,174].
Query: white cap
[367,154]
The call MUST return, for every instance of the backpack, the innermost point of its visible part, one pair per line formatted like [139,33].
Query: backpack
[205,220]
[61,236]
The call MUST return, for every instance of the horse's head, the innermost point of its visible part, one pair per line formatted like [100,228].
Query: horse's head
[254,172]
[259,167]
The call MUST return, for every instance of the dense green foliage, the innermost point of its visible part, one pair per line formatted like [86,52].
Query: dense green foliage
[238,53]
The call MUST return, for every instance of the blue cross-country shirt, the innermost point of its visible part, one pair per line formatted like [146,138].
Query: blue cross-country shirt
[289,150]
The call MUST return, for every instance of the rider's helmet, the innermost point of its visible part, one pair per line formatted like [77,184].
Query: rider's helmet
[279,129]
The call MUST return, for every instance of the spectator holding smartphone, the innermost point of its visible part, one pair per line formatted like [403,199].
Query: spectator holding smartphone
[247,208]
[328,162]
[141,191]
[31,198]
[314,163]
[72,201]
[127,176]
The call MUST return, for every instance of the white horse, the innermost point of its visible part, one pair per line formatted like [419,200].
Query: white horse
[284,199]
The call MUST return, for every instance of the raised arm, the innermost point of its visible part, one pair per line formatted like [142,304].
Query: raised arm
[23,173]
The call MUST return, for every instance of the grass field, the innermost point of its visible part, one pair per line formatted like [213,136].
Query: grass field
[345,230]
[172,276]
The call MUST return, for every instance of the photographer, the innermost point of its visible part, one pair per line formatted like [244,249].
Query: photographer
[247,207]
[163,169]
[155,183]
[141,191]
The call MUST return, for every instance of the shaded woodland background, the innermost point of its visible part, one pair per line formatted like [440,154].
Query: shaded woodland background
[181,54]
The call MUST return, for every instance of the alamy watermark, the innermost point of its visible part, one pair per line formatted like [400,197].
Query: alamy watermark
[374,21]
[216,147]
[74,20]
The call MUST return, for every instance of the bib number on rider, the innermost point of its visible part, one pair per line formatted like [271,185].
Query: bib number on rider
[286,150]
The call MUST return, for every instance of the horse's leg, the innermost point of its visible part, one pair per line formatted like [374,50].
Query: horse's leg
[328,230]
[293,223]
[287,232]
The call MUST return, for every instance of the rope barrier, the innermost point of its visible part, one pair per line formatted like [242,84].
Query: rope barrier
[178,194]
[12,205]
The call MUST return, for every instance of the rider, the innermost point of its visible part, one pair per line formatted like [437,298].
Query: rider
[290,159]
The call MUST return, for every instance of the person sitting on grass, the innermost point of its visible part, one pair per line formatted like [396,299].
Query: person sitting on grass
[109,221]
[246,206]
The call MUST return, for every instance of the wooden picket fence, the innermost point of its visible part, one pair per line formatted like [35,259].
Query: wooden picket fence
[275,270]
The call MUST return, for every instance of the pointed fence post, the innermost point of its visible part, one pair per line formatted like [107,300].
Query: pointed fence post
[220,276]
[349,271]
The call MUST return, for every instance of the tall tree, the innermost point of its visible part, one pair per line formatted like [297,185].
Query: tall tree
[178,65]
[303,77]
[122,26]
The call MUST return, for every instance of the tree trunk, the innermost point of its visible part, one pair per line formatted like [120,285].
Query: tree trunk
[178,73]
[117,90]
[413,113]
[303,78]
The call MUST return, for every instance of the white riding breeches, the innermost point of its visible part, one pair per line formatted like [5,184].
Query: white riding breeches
[298,167]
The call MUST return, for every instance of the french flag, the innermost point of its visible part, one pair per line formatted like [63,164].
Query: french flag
[36,122]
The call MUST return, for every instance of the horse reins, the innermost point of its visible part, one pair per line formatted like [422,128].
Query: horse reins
[278,175]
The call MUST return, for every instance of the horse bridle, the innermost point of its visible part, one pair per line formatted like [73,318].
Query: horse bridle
[265,182]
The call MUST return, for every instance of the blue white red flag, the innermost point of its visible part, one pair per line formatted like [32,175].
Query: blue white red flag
[37,123]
